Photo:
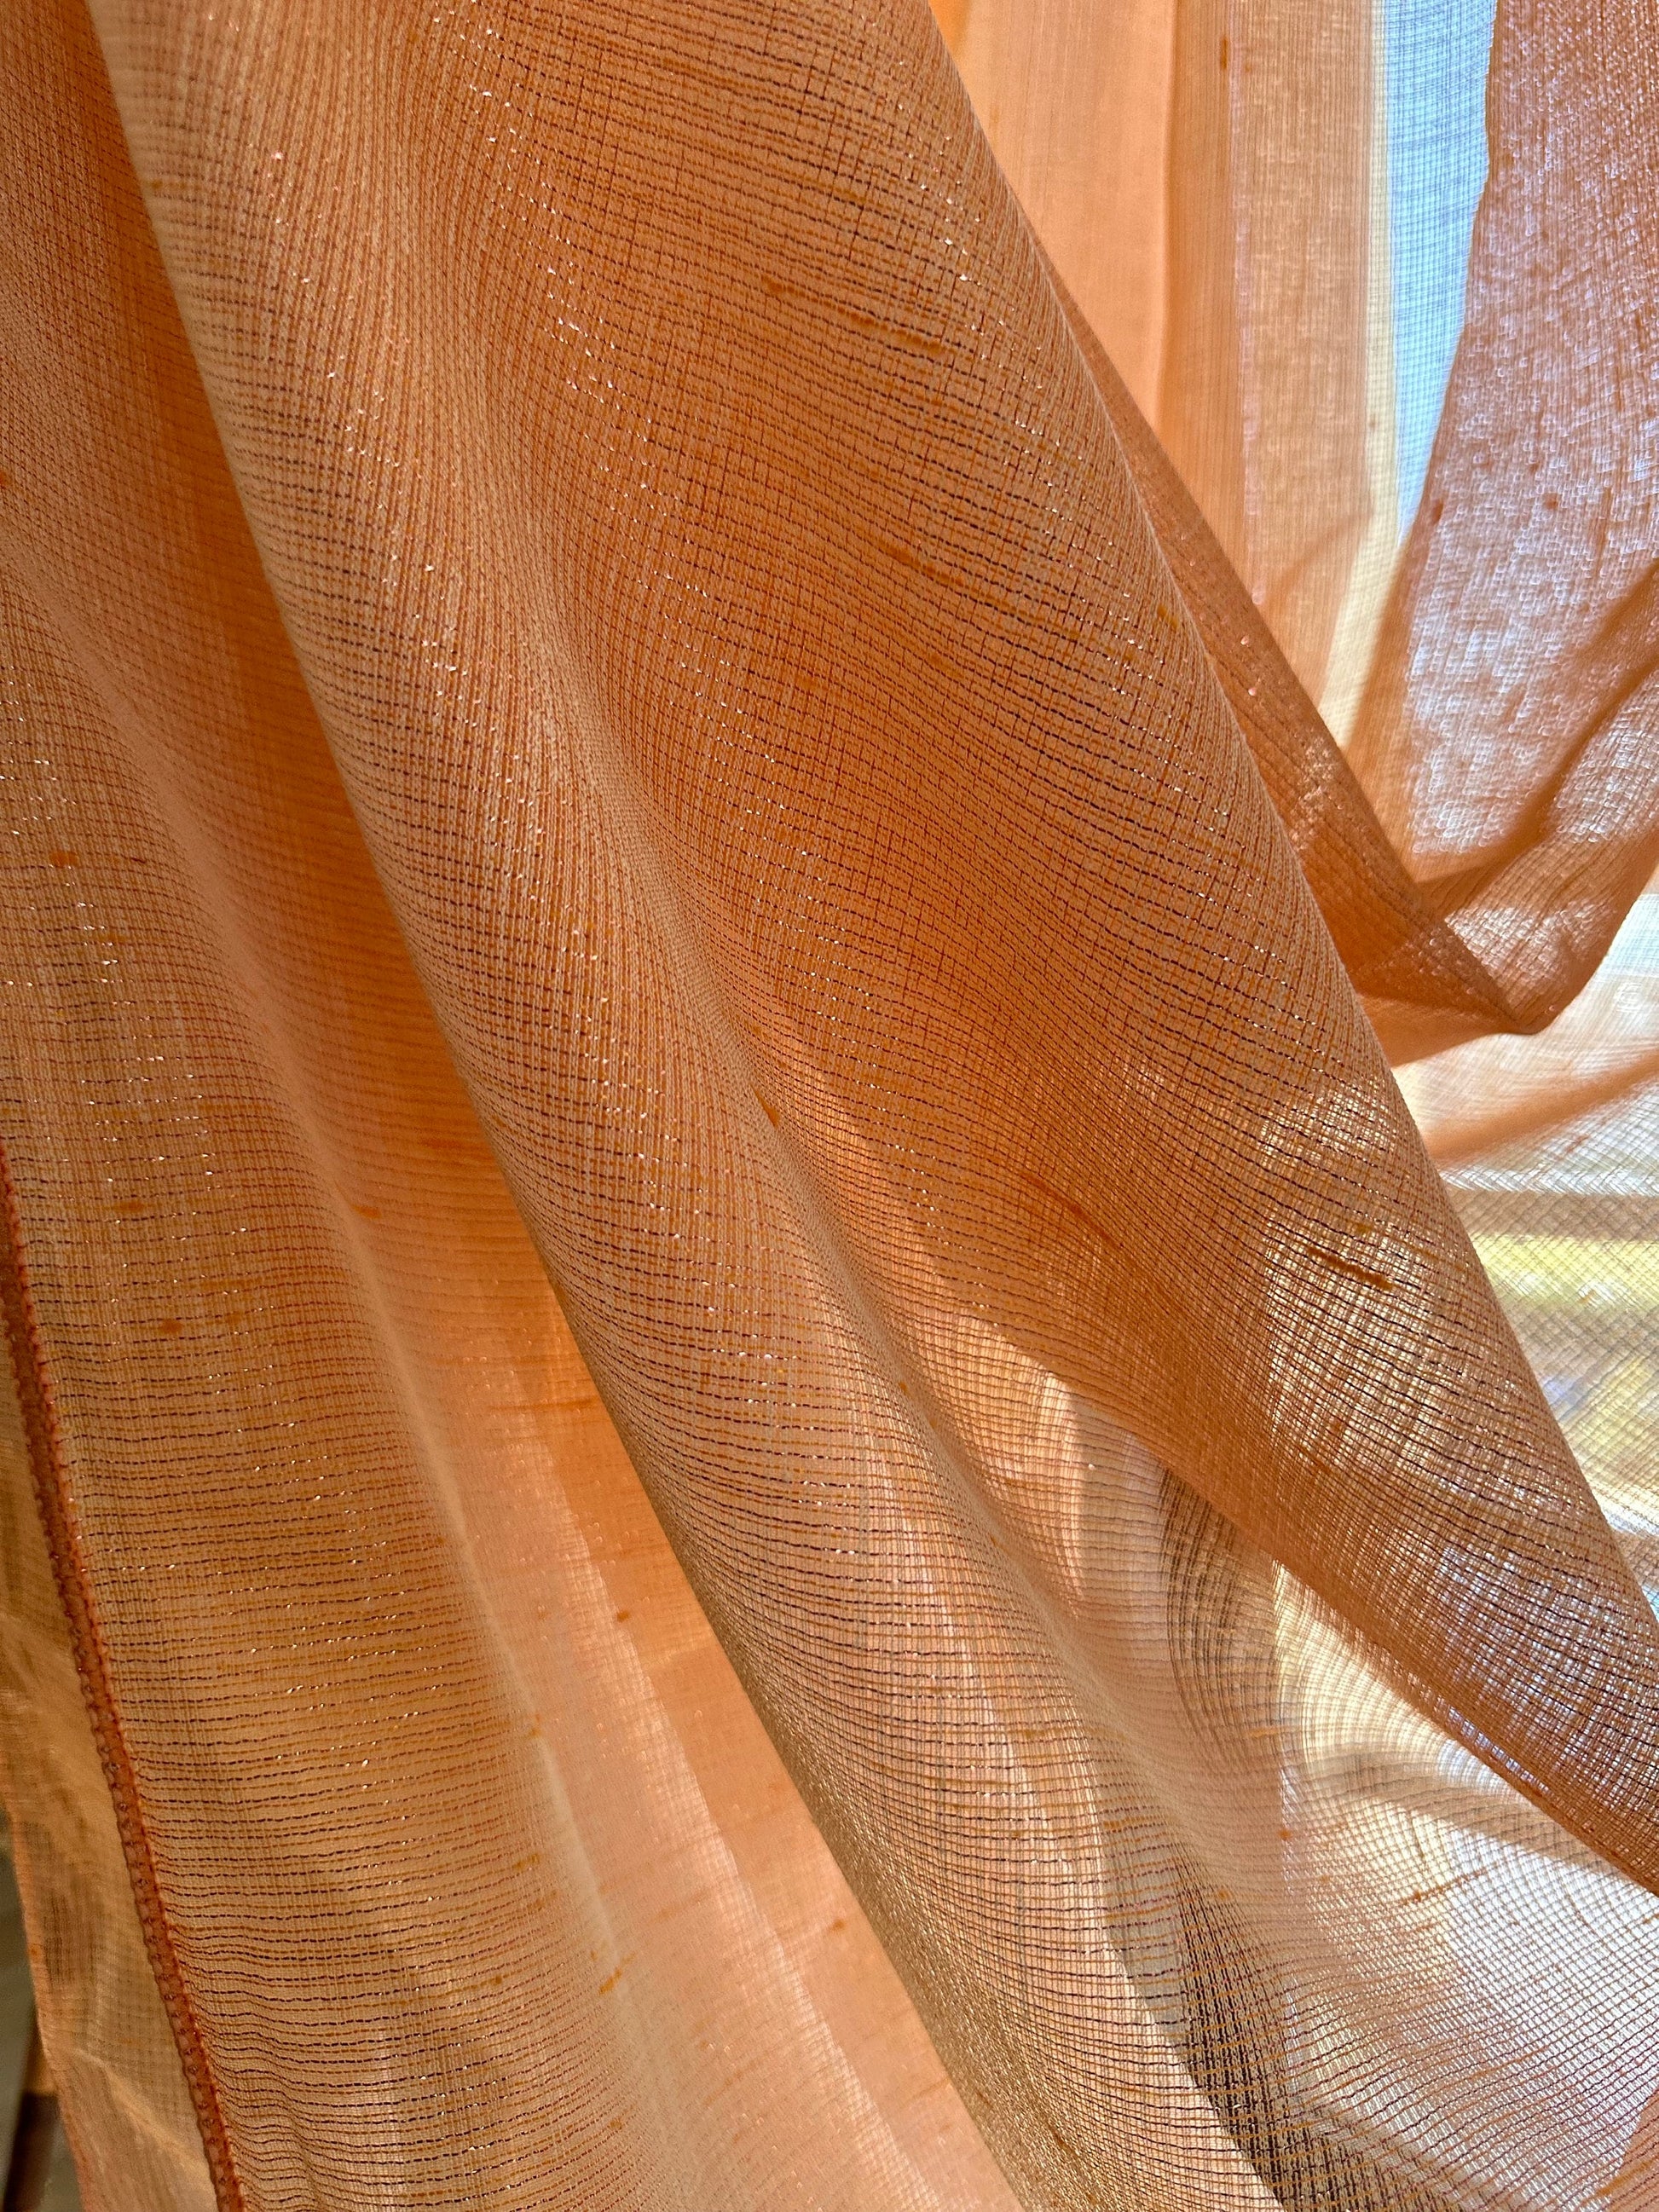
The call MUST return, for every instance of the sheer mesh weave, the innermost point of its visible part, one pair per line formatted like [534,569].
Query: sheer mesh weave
[778,1476]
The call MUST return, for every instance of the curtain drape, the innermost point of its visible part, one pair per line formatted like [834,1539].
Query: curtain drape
[777,1473]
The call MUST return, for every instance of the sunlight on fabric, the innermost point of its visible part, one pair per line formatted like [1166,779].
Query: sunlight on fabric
[1472,1104]
[748,1464]
[1559,1194]
[1436,92]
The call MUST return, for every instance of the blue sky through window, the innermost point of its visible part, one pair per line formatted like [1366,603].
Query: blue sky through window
[1437,52]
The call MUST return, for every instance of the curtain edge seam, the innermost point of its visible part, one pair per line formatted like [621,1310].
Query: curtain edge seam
[41,1427]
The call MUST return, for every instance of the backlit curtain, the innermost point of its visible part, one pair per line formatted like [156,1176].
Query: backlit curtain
[753,1460]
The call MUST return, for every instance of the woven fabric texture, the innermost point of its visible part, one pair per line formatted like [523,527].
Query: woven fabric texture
[778,1476]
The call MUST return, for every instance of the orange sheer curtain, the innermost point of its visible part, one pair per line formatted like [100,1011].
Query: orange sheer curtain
[776,1475]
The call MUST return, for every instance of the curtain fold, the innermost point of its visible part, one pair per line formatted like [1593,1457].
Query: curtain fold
[1502,727]
[1517,780]
[1422,986]
[777,1473]
[441,1794]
